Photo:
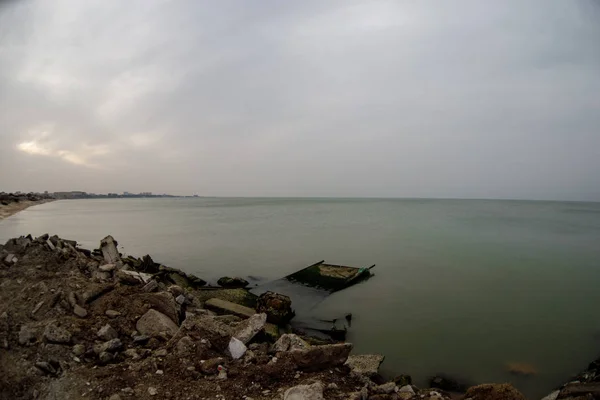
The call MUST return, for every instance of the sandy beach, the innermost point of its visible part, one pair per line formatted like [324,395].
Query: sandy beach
[13,208]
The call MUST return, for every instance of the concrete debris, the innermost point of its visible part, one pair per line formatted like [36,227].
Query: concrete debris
[154,323]
[236,348]
[320,357]
[55,334]
[108,246]
[150,286]
[365,364]
[107,267]
[107,332]
[305,392]
[289,342]
[247,329]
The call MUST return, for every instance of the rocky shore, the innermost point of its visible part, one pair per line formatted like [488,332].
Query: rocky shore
[78,323]
[11,203]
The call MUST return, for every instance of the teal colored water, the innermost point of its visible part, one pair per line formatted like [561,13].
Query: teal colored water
[461,286]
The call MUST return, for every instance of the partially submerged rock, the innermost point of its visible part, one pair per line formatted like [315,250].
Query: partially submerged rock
[365,364]
[278,307]
[228,282]
[491,391]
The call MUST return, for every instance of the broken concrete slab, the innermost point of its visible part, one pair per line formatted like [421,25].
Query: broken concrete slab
[108,245]
[248,328]
[320,357]
[365,364]
[220,306]
[154,323]
[236,348]
[305,392]
[288,342]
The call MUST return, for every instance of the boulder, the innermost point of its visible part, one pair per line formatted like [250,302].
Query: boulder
[320,357]
[55,334]
[153,323]
[365,364]
[108,245]
[305,392]
[288,342]
[491,391]
[248,328]
[278,307]
[228,282]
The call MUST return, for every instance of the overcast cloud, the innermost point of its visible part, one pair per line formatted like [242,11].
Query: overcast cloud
[485,99]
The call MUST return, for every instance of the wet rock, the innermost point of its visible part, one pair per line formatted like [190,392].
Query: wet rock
[27,335]
[236,348]
[112,313]
[228,282]
[320,357]
[80,311]
[55,334]
[445,382]
[248,328]
[403,380]
[153,323]
[305,392]
[365,364]
[277,307]
[494,392]
[107,332]
[108,245]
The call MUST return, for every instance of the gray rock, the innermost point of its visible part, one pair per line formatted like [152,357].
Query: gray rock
[150,286]
[132,353]
[101,276]
[288,342]
[320,357]
[386,388]
[406,389]
[207,328]
[107,332]
[153,323]
[184,346]
[180,299]
[236,349]
[110,346]
[112,313]
[114,397]
[78,350]
[365,364]
[152,391]
[107,267]
[55,334]
[552,396]
[27,335]
[305,392]
[105,357]
[108,245]
[79,311]
[248,328]
[175,290]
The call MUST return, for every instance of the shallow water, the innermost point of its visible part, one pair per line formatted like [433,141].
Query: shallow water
[461,286]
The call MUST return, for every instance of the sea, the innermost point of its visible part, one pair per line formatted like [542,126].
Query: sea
[460,287]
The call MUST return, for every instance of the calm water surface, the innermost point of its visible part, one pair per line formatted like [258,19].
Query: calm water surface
[461,286]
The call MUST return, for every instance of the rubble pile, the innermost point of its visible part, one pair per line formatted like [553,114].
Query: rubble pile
[76,323]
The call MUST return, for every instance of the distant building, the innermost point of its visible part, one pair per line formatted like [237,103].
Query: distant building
[70,195]
[126,194]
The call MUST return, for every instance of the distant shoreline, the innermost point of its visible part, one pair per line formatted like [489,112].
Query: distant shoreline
[15,207]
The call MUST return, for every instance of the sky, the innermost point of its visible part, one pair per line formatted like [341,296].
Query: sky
[450,99]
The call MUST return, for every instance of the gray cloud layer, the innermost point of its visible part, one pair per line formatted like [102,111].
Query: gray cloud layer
[270,98]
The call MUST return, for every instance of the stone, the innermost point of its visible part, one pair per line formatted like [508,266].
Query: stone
[105,357]
[162,302]
[175,290]
[184,346]
[107,267]
[402,380]
[305,392]
[107,332]
[386,388]
[552,396]
[236,348]
[101,276]
[112,313]
[320,357]
[108,246]
[580,389]
[132,353]
[288,342]
[365,364]
[78,350]
[55,334]
[140,339]
[27,335]
[114,397]
[180,299]
[228,282]
[152,391]
[96,291]
[407,389]
[278,307]
[131,278]
[248,328]
[161,353]
[227,307]
[153,323]
[150,286]
[110,346]
[206,328]
[79,311]
[209,367]
[491,391]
